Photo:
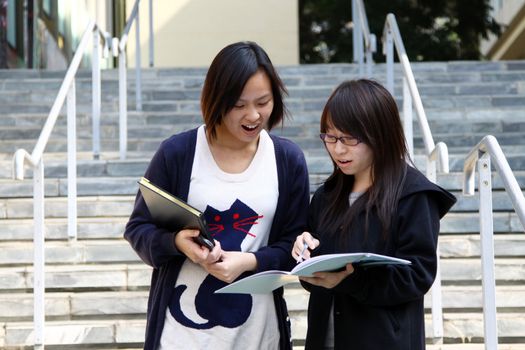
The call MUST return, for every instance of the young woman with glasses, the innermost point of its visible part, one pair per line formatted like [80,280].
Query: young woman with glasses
[374,201]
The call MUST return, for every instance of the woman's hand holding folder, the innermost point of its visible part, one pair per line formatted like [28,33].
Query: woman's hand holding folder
[185,241]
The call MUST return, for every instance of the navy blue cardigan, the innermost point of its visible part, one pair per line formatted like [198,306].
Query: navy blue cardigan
[381,307]
[170,169]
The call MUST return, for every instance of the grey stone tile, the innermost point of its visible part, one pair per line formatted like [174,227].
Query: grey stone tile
[479,66]
[508,101]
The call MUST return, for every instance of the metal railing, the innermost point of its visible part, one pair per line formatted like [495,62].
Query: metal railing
[433,153]
[364,43]
[411,98]
[66,94]
[120,50]
[480,157]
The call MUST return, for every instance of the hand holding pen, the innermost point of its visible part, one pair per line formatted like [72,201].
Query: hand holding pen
[304,243]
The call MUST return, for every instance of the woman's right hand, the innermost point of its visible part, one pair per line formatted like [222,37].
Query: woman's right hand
[304,243]
[185,242]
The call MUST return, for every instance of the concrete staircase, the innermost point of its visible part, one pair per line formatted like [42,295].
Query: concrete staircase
[97,287]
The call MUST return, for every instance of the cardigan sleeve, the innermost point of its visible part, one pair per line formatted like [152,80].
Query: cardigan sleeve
[153,244]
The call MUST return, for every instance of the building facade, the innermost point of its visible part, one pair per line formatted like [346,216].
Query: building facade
[186,33]
[510,45]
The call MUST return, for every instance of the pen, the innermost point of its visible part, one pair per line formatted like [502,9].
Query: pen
[300,258]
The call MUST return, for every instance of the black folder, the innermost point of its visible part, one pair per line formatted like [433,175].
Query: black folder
[173,213]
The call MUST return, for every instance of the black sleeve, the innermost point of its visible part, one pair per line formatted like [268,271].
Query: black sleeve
[153,244]
[418,229]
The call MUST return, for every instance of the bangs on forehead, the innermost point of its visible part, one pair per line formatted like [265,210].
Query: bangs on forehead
[343,120]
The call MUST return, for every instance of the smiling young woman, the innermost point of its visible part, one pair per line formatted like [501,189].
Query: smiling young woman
[253,189]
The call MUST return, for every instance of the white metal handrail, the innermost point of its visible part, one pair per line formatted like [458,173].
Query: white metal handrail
[67,93]
[134,18]
[411,97]
[434,153]
[361,34]
[480,156]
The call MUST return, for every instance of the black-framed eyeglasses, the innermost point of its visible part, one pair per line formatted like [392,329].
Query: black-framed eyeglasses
[345,140]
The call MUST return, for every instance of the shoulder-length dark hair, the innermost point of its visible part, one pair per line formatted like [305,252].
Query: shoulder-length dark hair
[229,71]
[366,110]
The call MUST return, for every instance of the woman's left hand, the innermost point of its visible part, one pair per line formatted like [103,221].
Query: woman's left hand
[231,265]
[329,279]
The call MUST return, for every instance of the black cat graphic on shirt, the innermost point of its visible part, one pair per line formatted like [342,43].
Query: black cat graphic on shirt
[230,227]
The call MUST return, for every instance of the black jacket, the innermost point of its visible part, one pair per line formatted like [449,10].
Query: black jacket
[381,307]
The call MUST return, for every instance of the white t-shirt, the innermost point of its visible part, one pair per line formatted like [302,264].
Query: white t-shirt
[239,210]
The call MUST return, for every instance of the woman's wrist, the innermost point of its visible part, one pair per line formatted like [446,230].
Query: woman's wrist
[249,262]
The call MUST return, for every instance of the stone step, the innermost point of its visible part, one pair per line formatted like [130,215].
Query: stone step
[431,70]
[462,328]
[111,118]
[310,146]
[86,305]
[315,101]
[85,168]
[17,252]
[87,228]
[457,328]
[113,227]
[79,277]
[88,186]
[455,299]
[317,160]
[127,304]
[83,145]
[22,132]
[501,118]
[73,334]
[315,90]
[298,102]
[118,206]
[56,207]
[88,277]
[496,83]
[107,132]
[454,133]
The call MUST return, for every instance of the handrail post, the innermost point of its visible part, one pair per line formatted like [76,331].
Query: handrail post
[71,163]
[369,58]
[388,50]
[487,252]
[96,94]
[123,108]
[435,291]
[151,35]
[408,118]
[39,256]
[138,74]
[437,304]
[355,31]
[123,112]
[358,44]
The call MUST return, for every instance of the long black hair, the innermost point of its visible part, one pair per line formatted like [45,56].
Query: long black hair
[366,110]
